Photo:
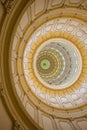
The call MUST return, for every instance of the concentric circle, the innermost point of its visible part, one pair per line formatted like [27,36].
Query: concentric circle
[54,64]
[45,64]
[48,63]
[64,60]
[70,58]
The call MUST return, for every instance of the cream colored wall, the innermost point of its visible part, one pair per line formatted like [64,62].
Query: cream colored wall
[5,120]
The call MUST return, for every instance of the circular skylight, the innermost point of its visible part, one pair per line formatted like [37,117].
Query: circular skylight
[57,63]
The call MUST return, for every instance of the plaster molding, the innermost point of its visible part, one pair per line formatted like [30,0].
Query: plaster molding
[17,126]
[8,4]
[2,92]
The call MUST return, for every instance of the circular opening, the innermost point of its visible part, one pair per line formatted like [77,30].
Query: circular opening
[57,63]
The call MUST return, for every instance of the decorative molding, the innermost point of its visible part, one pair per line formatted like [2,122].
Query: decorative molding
[2,93]
[8,4]
[17,126]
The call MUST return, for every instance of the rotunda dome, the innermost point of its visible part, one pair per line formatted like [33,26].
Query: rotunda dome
[46,56]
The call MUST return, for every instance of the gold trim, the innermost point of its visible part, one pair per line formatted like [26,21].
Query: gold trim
[82,51]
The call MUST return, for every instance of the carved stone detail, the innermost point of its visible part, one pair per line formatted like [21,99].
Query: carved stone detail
[17,126]
[1,90]
[9,4]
